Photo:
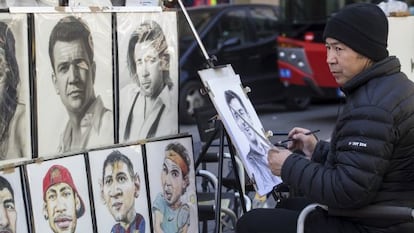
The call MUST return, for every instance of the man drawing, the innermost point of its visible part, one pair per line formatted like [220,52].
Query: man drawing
[62,204]
[256,157]
[72,57]
[8,214]
[13,114]
[120,187]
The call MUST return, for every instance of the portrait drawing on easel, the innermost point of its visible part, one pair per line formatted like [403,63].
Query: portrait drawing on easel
[15,123]
[74,78]
[244,128]
[148,75]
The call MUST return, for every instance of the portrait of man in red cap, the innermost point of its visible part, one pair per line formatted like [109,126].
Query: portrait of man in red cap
[62,202]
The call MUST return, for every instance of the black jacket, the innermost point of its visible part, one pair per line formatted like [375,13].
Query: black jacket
[370,159]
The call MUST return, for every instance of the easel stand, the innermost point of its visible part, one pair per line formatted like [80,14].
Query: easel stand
[220,129]
[223,136]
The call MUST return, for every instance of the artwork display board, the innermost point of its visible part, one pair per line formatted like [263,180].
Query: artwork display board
[15,118]
[171,170]
[148,75]
[59,195]
[119,189]
[242,124]
[79,84]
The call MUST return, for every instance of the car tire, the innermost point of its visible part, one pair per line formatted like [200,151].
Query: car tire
[190,99]
[298,103]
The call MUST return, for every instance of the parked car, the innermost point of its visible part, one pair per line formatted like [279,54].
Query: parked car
[244,36]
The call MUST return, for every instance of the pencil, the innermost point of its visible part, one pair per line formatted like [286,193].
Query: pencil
[308,133]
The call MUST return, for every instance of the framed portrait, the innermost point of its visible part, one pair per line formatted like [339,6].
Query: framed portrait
[15,106]
[13,199]
[147,75]
[244,128]
[120,189]
[59,195]
[74,78]
[171,168]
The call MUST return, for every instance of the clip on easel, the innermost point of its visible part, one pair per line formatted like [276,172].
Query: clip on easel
[220,129]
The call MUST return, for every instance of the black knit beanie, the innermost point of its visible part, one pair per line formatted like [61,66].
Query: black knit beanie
[362,27]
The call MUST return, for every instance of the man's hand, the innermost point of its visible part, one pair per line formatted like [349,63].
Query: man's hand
[276,157]
[300,141]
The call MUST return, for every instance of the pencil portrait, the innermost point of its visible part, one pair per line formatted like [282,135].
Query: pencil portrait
[15,120]
[75,81]
[148,75]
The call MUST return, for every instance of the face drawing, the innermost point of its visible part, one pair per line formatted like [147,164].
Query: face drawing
[148,66]
[173,182]
[8,215]
[240,115]
[119,190]
[60,208]
[73,75]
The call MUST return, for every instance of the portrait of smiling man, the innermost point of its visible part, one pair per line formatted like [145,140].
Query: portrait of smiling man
[62,203]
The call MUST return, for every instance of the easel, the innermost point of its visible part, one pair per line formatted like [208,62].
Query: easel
[218,130]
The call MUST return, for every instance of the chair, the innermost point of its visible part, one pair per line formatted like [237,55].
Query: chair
[374,211]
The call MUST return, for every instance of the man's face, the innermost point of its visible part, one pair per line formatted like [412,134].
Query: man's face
[239,113]
[60,208]
[173,182]
[148,66]
[8,213]
[344,63]
[74,75]
[119,191]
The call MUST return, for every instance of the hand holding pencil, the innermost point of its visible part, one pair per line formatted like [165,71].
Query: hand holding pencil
[301,139]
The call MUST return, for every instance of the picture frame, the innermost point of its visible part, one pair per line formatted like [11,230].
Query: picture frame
[114,187]
[13,176]
[166,159]
[16,134]
[55,134]
[59,195]
[242,125]
[137,119]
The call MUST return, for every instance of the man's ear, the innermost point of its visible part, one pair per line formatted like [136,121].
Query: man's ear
[78,205]
[137,184]
[102,191]
[186,183]
[54,81]
[45,214]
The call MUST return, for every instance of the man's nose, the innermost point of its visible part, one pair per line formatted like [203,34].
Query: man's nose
[74,73]
[4,219]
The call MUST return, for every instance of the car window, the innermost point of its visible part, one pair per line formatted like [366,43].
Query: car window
[265,21]
[231,25]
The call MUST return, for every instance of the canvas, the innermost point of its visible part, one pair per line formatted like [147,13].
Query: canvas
[15,129]
[59,195]
[74,78]
[242,124]
[147,75]
[119,189]
[171,168]
[14,220]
